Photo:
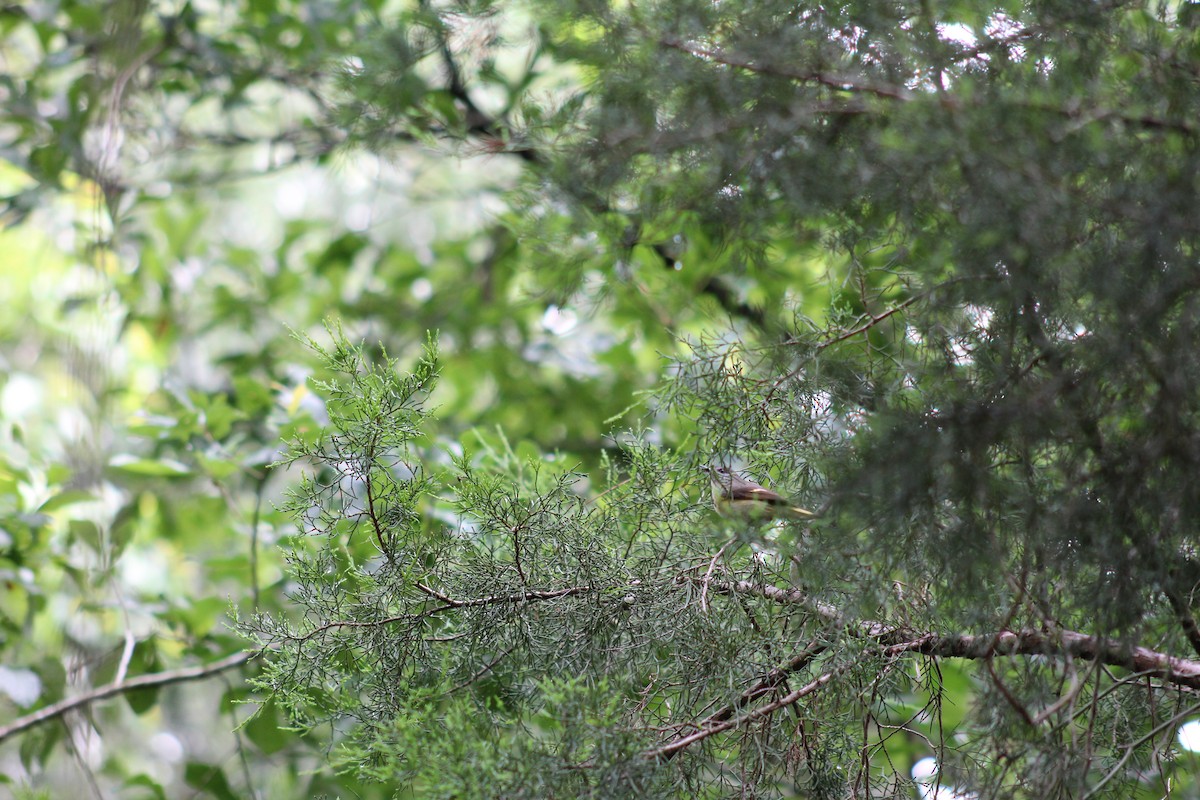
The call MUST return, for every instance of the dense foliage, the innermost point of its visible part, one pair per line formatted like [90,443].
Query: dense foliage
[360,359]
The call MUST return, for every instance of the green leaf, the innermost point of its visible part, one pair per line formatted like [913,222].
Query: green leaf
[148,467]
[64,499]
[265,729]
[144,661]
[252,396]
[200,616]
[88,532]
[218,415]
[210,779]
[217,468]
[143,781]
[36,746]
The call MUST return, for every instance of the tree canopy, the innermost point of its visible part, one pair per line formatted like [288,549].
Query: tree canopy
[360,360]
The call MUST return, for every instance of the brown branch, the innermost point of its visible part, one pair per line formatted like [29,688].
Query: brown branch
[669,750]
[727,298]
[449,603]
[1012,700]
[848,83]
[552,594]
[151,681]
[769,683]
[1186,621]
[841,82]
[874,319]
[1180,672]
[901,640]
[478,122]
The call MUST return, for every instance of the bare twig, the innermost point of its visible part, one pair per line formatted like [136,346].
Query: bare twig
[708,573]
[898,641]
[1067,698]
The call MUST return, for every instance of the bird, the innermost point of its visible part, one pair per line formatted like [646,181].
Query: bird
[734,496]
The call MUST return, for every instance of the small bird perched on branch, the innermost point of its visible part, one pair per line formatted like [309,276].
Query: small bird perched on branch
[734,496]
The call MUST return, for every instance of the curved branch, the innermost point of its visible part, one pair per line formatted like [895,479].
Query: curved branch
[1180,672]
[1186,621]
[669,750]
[898,640]
[845,83]
[151,681]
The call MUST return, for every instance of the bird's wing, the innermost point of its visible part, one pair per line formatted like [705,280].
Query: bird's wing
[758,493]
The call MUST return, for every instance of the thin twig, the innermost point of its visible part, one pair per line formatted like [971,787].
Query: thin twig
[1067,698]
[1132,747]
[874,319]
[1016,704]
[485,669]
[708,573]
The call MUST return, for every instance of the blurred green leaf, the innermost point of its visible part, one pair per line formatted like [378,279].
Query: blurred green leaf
[153,788]
[209,780]
[65,499]
[148,468]
[87,532]
[266,729]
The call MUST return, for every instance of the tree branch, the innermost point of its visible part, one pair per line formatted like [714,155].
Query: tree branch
[1110,652]
[1186,621]
[727,299]
[553,594]
[900,640]
[669,750]
[873,320]
[154,680]
[448,604]
[855,84]
[770,682]
[844,83]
